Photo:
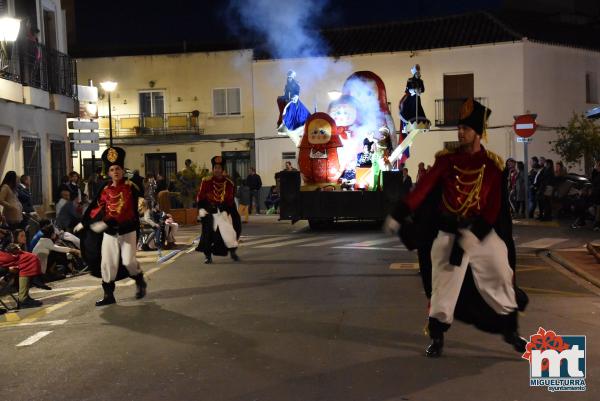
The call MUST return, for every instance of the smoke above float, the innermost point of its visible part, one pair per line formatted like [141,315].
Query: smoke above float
[291,33]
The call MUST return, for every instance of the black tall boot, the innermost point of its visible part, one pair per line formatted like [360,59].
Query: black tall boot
[436,332]
[109,298]
[234,255]
[511,334]
[208,257]
[141,285]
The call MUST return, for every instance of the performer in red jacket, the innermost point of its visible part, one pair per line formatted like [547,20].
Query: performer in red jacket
[113,221]
[469,208]
[221,223]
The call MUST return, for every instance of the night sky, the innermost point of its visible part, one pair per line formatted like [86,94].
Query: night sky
[131,23]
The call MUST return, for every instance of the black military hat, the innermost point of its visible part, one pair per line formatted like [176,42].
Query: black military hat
[217,160]
[475,115]
[113,156]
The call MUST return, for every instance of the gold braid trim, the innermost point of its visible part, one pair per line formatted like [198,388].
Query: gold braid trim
[472,196]
[496,159]
[444,152]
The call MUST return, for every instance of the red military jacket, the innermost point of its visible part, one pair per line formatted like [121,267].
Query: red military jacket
[471,184]
[119,206]
[215,192]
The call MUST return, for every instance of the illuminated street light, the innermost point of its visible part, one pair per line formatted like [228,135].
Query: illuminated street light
[9,29]
[108,87]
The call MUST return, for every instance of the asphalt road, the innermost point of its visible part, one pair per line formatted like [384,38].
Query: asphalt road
[331,315]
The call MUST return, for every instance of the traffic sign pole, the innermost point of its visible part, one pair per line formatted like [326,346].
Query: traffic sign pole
[526,171]
[525,126]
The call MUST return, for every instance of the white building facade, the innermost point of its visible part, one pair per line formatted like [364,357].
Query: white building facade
[511,79]
[36,95]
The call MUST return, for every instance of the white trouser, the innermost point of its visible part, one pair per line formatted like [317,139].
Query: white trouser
[491,272]
[170,231]
[222,221]
[114,249]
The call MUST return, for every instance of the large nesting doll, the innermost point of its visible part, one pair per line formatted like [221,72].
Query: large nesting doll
[318,157]
[368,89]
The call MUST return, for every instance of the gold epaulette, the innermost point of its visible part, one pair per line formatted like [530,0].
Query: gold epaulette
[131,183]
[208,177]
[444,152]
[496,159]
[230,180]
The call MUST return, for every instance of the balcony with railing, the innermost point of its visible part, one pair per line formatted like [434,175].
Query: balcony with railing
[447,111]
[36,66]
[150,128]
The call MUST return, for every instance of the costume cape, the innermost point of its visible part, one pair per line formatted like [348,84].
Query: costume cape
[212,241]
[420,232]
[91,242]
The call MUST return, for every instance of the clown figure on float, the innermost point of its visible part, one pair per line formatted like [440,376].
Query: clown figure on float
[318,157]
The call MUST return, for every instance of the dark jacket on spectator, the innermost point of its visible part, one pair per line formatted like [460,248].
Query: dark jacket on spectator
[67,217]
[24,195]
[254,182]
[406,185]
[243,195]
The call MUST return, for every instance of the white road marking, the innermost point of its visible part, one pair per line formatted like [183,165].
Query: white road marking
[33,339]
[543,243]
[263,241]
[370,248]
[44,323]
[374,242]
[329,242]
[291,242]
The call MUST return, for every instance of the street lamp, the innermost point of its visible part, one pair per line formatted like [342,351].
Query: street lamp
[9,29]
[108,87]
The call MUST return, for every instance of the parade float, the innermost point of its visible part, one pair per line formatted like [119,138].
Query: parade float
[348,156]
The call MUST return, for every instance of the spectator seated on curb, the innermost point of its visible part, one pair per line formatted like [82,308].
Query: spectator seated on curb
[68,216]
[39,234]
[28,267]
[51,255]
[272,201]
[7,285]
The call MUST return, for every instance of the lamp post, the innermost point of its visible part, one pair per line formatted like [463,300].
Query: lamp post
[9,29]
[108,87]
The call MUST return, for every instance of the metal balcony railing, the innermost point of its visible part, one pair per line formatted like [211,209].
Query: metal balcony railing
[33,64]
[9,62]
[140,125]
[447,111]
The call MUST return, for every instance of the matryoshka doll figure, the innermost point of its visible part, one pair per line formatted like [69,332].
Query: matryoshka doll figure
[318,156]
[344,112]
[368,89]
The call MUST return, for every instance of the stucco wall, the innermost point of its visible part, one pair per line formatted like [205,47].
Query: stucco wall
[199,152]
[20,121]
[187,80]
[554,88]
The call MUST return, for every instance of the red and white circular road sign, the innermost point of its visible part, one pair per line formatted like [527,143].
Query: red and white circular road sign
[525,125]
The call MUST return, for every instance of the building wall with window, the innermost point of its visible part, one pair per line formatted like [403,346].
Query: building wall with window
[512,78]
[157,88]
[497,74]
[179,83]
[36,96]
